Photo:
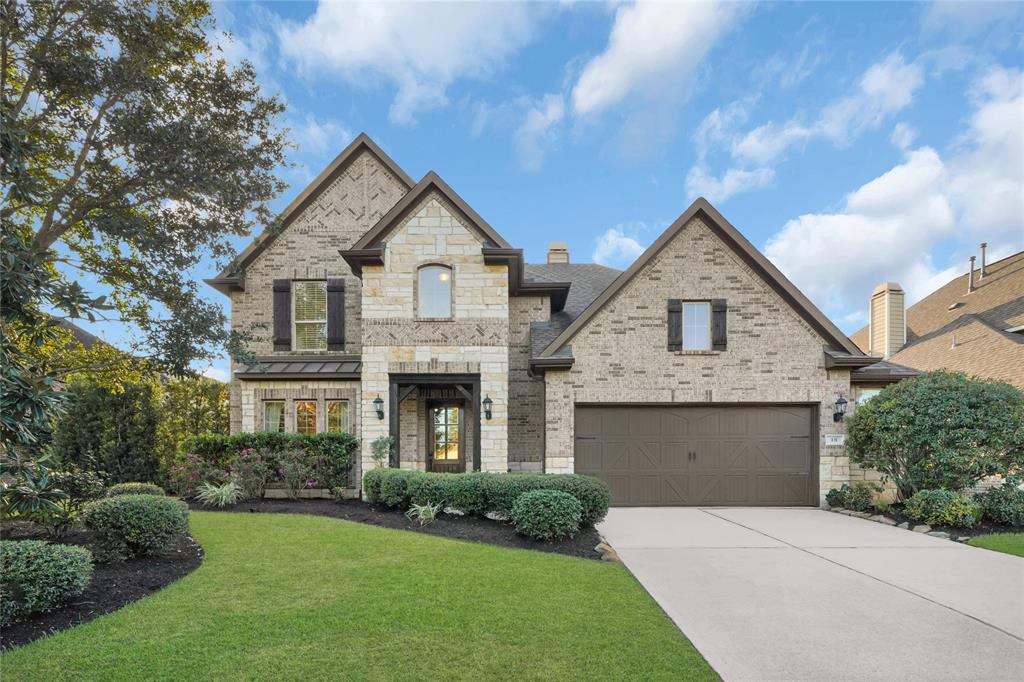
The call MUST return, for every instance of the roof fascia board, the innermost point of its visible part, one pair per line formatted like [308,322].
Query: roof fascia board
[513,258]
[739,244]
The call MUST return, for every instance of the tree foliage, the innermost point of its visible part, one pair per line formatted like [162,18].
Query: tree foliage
[939,430]
[130,152]
[190,406]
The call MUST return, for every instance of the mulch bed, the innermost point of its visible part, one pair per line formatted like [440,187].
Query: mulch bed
[112,585]
[470,528]
[896,513]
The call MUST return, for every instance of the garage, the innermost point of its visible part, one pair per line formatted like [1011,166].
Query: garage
[673,455]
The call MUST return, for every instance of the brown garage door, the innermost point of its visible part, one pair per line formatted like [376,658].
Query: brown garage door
[709,455]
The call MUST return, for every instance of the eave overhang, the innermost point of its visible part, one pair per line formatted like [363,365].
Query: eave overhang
[226,285]
[513,258]
[837,360]
[541,365]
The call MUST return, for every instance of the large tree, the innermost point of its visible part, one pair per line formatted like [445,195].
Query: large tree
[130,152]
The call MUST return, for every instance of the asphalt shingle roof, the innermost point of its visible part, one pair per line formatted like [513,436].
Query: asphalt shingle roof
[587,280]
[977,322]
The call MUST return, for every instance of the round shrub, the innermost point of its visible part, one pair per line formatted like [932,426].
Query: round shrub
[38,576]
[547,515]
[135,489]
[503,490]
[836,497]
[858,497]
[388,486]
[1004,504]
[943,508]
[128,525]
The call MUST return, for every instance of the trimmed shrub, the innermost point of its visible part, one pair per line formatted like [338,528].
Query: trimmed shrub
[858,497]
[943,508]
[129,525]
[38,576]
[1004,504]
[481,493]
[135,489]
[939,430]
[547,515]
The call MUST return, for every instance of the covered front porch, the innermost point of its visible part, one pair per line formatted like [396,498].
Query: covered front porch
[435,420]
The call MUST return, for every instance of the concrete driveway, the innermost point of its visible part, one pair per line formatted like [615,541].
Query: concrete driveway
[804,594]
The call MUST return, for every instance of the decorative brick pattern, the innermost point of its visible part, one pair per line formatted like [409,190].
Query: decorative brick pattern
[308,248]
[526,393]
[391,332]
[621,356]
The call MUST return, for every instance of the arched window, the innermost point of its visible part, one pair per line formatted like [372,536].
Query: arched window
[435,291]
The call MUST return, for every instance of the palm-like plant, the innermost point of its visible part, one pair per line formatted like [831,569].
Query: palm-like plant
[32,491]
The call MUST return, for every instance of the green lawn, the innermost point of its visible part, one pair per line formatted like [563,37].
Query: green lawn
[302,597]
[1010,543]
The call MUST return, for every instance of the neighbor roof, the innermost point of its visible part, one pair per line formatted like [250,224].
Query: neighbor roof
[744,249]
[230,278]
[976,321]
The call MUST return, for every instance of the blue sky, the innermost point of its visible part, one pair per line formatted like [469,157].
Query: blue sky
[853,143]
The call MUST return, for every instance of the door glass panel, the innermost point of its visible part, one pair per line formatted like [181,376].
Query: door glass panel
[446,433]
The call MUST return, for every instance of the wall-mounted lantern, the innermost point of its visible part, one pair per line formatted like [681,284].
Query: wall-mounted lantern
[837,416]
[378,405]
[488,403]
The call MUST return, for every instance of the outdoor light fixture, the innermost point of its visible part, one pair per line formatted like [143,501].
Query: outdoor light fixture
[378,404]
[487,406]
[840,409]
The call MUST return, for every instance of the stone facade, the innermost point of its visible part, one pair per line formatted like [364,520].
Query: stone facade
[773,355]
[434,234]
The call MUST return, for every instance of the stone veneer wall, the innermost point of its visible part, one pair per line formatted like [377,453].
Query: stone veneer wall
[308,249]
[526,393]
[621,356]
[474,341]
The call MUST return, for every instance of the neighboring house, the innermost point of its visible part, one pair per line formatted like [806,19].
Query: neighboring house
[973,324]
[700,375]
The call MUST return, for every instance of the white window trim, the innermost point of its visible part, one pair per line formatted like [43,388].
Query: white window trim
[706,304]
[295,322]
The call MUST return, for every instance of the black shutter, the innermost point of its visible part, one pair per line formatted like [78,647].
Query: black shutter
[718,309]
[336,314]
[282,314]
[675,324]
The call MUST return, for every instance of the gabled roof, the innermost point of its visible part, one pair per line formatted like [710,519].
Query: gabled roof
[745,250]
[431,182]
[230,279]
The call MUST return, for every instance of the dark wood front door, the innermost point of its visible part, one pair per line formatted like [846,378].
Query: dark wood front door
[656,455]
[445,442]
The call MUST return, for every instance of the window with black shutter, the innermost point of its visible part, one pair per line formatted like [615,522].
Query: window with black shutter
[282,314]
[336,314]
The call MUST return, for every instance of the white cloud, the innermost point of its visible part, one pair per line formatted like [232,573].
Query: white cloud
[651,45]
[535,133]
[217,373]
[419,48]
[903,136]
[616,247]
[966,19]
[889,228]
[318,138]
[885,88]
[734,181]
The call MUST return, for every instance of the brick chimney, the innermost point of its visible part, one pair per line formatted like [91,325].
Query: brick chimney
[558,252]
[887,321]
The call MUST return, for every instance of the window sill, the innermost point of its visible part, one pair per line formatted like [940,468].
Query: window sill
[697,352]
[433,319]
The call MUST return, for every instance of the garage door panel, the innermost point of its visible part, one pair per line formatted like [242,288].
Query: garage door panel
[743,455]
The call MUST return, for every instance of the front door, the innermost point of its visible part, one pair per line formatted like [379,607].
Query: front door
[444,423]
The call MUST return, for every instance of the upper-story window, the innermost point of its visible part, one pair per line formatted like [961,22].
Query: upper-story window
[309,315]
[435,291]
[696,325]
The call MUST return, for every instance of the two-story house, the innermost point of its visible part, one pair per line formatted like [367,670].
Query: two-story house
[700,375]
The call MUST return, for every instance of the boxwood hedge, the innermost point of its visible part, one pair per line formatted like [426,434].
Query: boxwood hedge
[38,576]
[129,525]
[481,493]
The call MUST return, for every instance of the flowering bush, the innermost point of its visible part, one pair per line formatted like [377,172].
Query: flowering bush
[250,473]
[188,475]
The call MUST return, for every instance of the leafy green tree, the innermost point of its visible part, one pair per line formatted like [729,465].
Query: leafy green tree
[129,151]
[111,432]
[939,430]
[190,406]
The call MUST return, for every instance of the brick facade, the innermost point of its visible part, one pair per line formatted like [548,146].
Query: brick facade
[773,356]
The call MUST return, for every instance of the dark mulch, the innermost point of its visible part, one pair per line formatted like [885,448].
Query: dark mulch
[470,528]
[112,585]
